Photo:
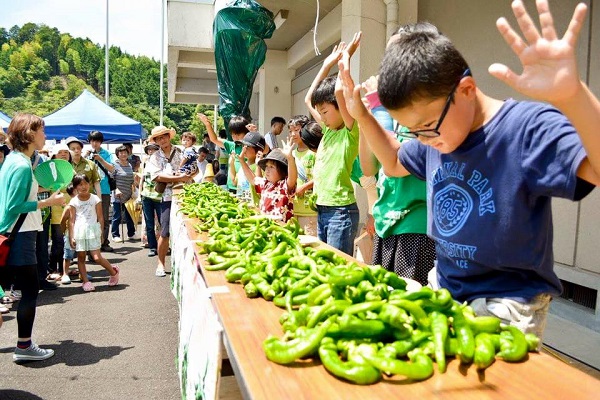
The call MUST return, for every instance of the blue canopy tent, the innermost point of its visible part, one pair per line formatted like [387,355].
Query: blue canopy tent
[4,120]
[88,113]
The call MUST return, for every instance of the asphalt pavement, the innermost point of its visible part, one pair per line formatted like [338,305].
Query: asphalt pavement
[115,343]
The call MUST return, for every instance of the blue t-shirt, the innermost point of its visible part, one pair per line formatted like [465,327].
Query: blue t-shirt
[489,201]
[109,158]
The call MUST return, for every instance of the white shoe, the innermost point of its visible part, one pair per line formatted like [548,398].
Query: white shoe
[160,272]
[65,280]
[117,239]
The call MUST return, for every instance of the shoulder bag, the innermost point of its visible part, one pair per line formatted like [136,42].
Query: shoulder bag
[5,241]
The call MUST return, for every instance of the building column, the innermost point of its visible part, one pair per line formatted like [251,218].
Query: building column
[274,90]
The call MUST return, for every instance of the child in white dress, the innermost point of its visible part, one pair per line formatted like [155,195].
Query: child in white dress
[85,231]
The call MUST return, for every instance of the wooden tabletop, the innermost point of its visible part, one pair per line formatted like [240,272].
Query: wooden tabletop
[247,322]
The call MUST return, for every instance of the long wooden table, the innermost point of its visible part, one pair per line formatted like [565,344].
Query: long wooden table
[247,322]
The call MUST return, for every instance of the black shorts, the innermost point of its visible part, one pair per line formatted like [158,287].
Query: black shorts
[165,218]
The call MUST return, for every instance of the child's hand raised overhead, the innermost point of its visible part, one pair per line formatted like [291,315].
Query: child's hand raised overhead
[335,55]
[289,147]
[203,118]
[549,64]
[354,104]
[242,155]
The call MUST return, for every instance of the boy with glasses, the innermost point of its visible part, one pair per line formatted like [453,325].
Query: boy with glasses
[491,166]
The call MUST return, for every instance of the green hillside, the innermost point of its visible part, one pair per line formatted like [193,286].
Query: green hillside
[42,70]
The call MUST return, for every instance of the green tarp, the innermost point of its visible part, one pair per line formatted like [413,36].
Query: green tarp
[239,32]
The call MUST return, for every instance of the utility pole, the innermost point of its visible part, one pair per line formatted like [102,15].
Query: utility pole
[162,56]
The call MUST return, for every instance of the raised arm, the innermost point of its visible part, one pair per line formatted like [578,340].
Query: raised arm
[245,167]
[339,91]
[383,145]
[328,63]
[209,129]
[550,74]
[292,178]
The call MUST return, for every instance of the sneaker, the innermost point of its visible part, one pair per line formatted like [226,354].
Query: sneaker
[106,249]
[117,239]
[32,353]
[133,237]
[15,294]
[152,253]
[88,287]
[65,280]
[4,309]
[114,280]
[160,272]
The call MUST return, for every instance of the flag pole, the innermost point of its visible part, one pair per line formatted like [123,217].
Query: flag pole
[106,61]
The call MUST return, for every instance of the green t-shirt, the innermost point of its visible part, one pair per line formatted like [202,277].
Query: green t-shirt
[401,206]
[230,146]
[306,161]
[336,154]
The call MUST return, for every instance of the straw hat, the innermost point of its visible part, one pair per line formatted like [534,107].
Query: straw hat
[161,130]
[209,173]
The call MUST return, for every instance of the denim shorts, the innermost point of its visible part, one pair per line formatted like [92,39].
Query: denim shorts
[69,253]
[337,226]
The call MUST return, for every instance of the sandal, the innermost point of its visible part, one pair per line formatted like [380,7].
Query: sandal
[114,280]
[53,277]
[74,272]
[6,300]
[88,287]
[4,310]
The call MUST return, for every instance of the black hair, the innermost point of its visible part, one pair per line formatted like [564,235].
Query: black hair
[95,135]
[70,189]
[299,120]
[419,63]
[120,149]
[78,178]
[204,150]
[222,134]
[216,165]
[276,120]
[129,145]
[324,93]
[237,125]
[311,135]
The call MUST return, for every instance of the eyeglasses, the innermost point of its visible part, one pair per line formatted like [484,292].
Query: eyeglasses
[431,133]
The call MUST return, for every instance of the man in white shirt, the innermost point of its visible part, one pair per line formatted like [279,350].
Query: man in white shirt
[277,124]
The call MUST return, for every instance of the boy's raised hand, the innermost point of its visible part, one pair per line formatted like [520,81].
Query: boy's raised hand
[354,103]
[204,119]
[335,54]
[549,64]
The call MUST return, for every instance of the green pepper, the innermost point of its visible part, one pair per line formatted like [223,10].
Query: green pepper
[379,292]
[415,310]
[332,308]
[288,352]
[234,273]
[296,296]
[356,370]
[346,275]
[393,280]
[222,266]
[318,294]
[263,287]
[513,350]
[464,334]
[349,326]
[419,368]
[363,307]
[439,328]
[485,351]
[533,342]
[394,316]
[251,290]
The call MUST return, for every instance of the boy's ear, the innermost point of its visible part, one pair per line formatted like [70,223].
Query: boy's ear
[467,87]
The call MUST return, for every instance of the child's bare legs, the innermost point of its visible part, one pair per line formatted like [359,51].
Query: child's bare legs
[99,259]
[81,266]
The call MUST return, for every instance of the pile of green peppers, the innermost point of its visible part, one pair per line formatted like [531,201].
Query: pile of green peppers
[359,320]
[362,337]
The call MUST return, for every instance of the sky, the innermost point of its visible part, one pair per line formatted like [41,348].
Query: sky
[134,25]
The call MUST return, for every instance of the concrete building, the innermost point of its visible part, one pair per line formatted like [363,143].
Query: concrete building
[291,65]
